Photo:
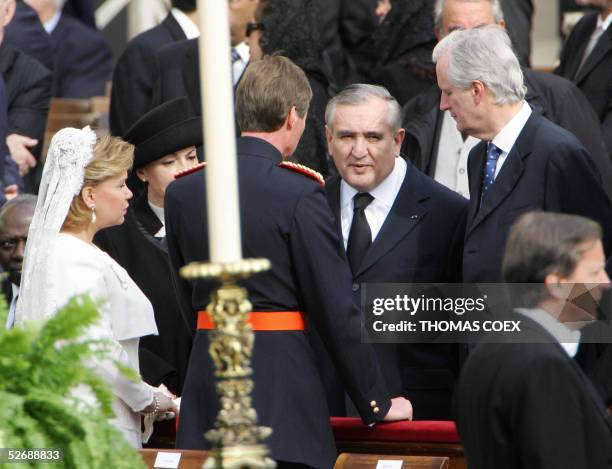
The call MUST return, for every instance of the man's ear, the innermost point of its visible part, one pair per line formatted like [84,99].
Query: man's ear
[399,138]
[328,138]
[554,286]
[478,91]
[9,11]
[292,118]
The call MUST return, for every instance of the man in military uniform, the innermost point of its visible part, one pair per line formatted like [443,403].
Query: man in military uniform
[286,219]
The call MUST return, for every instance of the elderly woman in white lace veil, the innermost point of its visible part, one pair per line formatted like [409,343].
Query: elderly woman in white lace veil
[82,191]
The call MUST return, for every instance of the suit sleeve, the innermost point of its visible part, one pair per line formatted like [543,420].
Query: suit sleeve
[132,90]
[27,111]
[546,395]
[606,128]
[182,288]
[324,279]
[573,187]
[88,70]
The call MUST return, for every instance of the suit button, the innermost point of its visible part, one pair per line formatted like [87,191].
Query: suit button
[373,404]
[376,410]
[461,170]
[355,286]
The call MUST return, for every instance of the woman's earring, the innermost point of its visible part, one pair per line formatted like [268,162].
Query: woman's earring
[93,214]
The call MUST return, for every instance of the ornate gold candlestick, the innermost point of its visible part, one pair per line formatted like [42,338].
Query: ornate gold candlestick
[236,437]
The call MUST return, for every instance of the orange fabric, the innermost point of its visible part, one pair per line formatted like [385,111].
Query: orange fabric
[263,321]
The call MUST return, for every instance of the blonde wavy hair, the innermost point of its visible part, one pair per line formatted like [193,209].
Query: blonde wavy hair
[111,157]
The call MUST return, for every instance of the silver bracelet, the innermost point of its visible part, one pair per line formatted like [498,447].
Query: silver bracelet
[156,409]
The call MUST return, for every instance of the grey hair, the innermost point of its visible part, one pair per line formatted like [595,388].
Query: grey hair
[359,93]
[498,13]
[484,54]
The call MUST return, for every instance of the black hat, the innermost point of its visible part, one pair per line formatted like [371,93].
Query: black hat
[163,130]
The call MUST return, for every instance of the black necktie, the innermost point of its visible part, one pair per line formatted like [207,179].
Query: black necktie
[360,236]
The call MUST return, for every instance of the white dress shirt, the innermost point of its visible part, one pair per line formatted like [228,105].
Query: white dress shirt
[190,29]
[568,339]
[239,65]
[507,137]
[600,28]
[10,319]
[52,23]
[452,157]
[384,196]
[159,213]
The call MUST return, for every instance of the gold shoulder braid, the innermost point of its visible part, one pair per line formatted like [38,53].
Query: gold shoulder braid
[193,169]
[305,170]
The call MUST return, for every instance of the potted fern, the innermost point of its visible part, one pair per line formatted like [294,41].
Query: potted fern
[39,365]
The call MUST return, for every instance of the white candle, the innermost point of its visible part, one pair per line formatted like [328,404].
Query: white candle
[219,133]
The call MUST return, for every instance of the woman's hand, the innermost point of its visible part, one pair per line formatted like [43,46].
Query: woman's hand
[161,403]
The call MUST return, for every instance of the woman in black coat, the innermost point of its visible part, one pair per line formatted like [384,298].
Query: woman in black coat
[165,141]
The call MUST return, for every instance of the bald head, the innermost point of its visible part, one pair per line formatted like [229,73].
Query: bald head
[15,218]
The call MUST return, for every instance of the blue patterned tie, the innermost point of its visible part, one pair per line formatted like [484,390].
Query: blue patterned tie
[493,154]
[235,56]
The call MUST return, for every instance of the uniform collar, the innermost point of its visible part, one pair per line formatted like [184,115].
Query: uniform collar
[254,146]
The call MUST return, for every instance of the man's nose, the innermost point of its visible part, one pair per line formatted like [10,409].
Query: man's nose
[443,102]
[360,148]
[19,249]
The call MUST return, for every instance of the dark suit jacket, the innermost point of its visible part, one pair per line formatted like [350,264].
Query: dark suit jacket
[82,60]
[529,406]
[519,17]
[163,358]
[547,169]
[419,242]
[555,98]
[179,75]
[28,93]
[136,72]
[595,77]
[83,10]
[284,218]
[26,32]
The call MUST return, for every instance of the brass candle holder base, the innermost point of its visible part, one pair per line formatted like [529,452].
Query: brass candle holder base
[236,437]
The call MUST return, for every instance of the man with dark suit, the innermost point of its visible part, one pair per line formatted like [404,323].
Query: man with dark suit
[413,230]
[519,15]
[285,218]
[28,93]
[15,218]
[521,401]
[525,162]
[136,70]
[435,145]
[179,64]
[82,57]
[586,59]
[26,32]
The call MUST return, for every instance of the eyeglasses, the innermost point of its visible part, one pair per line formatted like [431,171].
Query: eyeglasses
[250,27]
[9,244]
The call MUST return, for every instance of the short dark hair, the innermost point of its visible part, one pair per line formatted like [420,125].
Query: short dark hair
[186,6]
[267,91]
[541,243]
[19,203]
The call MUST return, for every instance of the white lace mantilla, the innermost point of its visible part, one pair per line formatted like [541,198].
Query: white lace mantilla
[69,153]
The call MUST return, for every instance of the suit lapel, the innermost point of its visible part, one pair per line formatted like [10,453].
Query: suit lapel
[173,28]
[145,215]
[407,211]
[332,187]
[476,162]
[191,77]
[602,48]
[507,178]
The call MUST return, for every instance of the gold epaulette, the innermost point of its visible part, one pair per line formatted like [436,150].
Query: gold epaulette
[193,169]
[305,170]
